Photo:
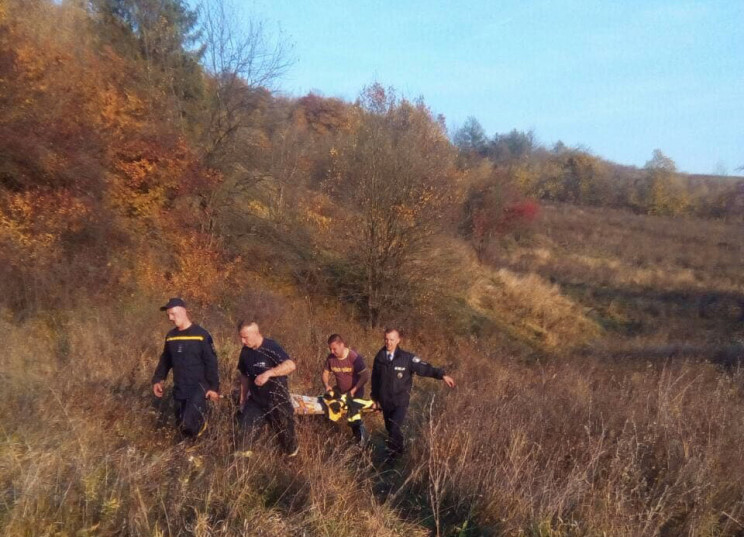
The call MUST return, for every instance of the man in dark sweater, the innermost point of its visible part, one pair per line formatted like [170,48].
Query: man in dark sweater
[264,395]
[189,351]
[392,380]
[347,367]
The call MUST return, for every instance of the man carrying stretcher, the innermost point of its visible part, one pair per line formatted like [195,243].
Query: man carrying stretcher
[347,366]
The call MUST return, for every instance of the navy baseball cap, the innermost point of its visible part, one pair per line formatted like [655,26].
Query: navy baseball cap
[172,303]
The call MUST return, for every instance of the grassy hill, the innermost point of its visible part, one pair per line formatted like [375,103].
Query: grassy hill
[592,402]
[595,335]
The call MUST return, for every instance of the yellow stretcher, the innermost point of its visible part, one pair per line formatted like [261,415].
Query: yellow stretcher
[331,404]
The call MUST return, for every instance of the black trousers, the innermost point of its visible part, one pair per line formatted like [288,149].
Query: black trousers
[280,418]
[191,413]
[394,417]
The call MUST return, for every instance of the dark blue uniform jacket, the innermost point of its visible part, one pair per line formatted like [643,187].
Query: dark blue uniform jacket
[191,355]
[392,380]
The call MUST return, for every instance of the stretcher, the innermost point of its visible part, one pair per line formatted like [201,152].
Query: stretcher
[331,404]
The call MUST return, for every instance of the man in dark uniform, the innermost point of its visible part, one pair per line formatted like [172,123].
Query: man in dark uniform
[347,366]
[264,395]
[392,380]
[189,351]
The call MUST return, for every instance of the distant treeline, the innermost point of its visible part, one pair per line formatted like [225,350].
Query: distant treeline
[574,175]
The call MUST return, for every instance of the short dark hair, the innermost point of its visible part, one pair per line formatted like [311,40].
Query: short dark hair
[391,329]
[245,322]
[336,338]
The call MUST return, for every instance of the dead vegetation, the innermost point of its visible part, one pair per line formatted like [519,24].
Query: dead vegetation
[609,437]
[596,351]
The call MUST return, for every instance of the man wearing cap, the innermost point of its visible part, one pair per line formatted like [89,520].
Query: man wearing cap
[392,380]
[264,394]
[189,351]
[347,366]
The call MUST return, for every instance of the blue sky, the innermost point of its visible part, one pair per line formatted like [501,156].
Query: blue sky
[618,78]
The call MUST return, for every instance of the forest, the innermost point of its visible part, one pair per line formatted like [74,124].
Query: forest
[592,313]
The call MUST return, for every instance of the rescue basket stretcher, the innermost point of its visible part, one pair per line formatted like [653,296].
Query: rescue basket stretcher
[331,404]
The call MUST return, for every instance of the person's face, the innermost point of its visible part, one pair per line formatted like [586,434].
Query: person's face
[338,349]
[391,340]
[178,316]
[250,337]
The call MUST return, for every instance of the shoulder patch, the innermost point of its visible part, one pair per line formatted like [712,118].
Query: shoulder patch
[416,359]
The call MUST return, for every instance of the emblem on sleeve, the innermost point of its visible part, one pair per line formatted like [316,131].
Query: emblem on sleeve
[416,359]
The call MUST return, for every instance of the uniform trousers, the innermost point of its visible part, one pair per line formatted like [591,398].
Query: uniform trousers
[279,416]
[191,413]
[394,417]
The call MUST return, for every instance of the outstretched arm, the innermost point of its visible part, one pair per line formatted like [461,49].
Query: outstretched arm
[425,369]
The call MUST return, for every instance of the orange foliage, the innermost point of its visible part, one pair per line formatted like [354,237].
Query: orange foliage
[323,115]
[195,267]
[81,134]
[34,222]
[145,175]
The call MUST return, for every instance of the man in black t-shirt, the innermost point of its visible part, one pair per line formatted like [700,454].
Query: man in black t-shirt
[264,395]
[189,351]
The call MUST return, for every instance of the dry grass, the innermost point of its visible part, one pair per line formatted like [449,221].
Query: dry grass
[593,450]
[612,437]
[643,278]
[84,452]
[610,246]
[532,309]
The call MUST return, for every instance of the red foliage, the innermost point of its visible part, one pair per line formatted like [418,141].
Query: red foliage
[519,213]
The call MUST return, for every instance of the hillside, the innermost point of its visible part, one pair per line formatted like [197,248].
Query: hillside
[594,329]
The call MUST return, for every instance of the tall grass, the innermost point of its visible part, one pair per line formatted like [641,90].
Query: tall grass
[86,450]
[608,438]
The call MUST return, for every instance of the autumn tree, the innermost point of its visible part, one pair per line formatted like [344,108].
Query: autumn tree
[574,176]
[394,173]
[95,182]
[244,62]
[493,207]
[165,37]
[665,192]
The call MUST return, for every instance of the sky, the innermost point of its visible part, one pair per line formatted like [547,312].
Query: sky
[618,78]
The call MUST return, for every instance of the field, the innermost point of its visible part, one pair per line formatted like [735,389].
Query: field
[592,322]
[603,397]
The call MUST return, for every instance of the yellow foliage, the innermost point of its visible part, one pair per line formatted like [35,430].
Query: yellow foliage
[35,221]
[321,222]
[120,111]
[196,268]
[667,196]
[525,179]
[145,175]
[258,209]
